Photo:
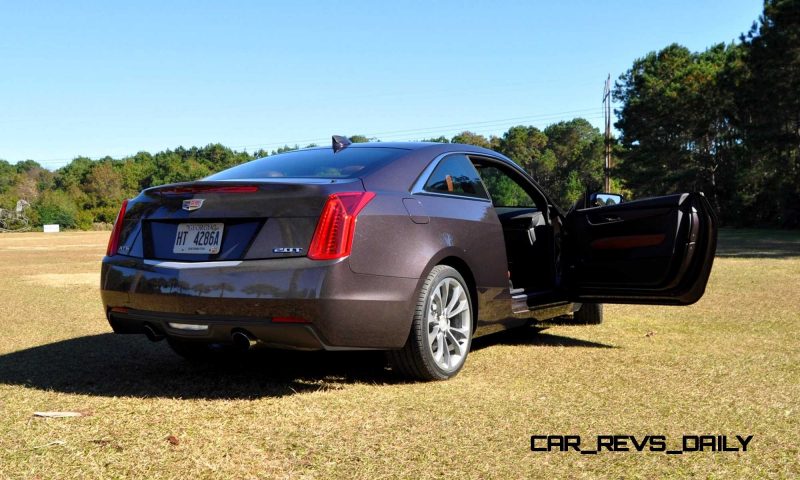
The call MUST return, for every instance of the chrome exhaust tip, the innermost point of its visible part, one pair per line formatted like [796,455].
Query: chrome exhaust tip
[243,341]
[152,334]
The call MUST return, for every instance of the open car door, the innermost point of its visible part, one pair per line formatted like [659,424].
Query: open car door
[652,251]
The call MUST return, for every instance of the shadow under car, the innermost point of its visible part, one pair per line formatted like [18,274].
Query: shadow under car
[122,365]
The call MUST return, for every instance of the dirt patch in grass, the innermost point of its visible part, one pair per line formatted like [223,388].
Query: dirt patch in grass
[726,365]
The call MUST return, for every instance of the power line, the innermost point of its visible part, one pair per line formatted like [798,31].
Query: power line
[430,129]
[392,134]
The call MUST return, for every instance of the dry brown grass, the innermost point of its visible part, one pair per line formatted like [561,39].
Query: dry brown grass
[727,365]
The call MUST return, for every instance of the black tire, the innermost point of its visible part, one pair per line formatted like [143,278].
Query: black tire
[589,314]
[416,359]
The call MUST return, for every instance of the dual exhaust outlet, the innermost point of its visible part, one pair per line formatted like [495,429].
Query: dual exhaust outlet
[242,340]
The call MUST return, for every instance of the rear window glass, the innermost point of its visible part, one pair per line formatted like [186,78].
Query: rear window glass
[314,163]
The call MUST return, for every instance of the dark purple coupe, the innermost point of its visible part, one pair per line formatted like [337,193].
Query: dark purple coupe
[413,248]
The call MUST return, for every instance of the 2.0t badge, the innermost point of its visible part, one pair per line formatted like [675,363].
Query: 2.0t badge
[287,250]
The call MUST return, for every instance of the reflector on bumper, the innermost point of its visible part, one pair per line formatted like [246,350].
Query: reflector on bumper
[188,326]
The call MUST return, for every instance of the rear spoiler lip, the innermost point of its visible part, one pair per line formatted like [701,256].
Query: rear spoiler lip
[257,182]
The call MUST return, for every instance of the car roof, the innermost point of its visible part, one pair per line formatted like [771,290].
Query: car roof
[414,146]
[403,145]
[439,147]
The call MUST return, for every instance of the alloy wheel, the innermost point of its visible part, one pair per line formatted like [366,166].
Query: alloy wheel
[448,324]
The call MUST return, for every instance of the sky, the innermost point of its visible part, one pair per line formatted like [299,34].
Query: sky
[115,78]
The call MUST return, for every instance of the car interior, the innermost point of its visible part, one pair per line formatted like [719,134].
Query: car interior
[530,239]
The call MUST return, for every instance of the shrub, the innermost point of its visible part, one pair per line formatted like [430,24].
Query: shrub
[56,207]
[104,214]
[83,220]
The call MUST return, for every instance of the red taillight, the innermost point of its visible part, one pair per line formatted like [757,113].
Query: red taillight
[289,320]
[337,224]
[113,241]
[209,189]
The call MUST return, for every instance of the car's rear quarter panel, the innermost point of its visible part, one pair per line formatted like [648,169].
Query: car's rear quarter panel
[389,243]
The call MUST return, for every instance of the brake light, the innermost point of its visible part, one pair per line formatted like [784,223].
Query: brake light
[209,189]
[333,237]
[113,241]
[290,320]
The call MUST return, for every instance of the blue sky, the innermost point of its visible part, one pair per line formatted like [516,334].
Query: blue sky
[114,78]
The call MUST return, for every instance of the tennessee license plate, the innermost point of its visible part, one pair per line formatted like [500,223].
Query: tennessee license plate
[198,238]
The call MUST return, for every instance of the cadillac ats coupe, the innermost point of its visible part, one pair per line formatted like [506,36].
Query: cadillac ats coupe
[412,248]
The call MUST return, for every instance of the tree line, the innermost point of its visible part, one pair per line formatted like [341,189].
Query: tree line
[725,121]
[565,158]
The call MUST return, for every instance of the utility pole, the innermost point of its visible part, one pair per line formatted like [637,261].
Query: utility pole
[607,115]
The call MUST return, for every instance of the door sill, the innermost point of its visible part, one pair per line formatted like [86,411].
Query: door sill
[525,301]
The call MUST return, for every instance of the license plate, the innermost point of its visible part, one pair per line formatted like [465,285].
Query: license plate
[201,238]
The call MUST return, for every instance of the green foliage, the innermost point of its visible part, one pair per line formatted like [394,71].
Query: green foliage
[104,184]
[725,121]
[84,220]
[767,114]
[284,149]
[7,176]
[577,151]
[27,165]
[87,191]
[574,188]
[673,121]
[469,138]
[565,159]
[526,146]
[439,139]
[56,207]
[105,214]
[504,191]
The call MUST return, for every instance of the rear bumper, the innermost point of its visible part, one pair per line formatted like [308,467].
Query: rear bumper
[219,329]
[343,309]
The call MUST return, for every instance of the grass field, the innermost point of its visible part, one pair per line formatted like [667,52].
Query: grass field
[726,365]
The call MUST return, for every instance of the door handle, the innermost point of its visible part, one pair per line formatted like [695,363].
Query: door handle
[603,219]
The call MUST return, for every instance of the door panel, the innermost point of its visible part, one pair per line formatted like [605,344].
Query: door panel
[653,251]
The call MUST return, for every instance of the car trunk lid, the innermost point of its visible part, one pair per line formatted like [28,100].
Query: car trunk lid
[239,220]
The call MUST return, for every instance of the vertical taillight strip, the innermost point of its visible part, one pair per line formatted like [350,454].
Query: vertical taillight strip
[113,241]
[333,237]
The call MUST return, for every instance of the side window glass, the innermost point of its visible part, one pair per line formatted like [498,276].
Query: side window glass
[455,175]
[504,190]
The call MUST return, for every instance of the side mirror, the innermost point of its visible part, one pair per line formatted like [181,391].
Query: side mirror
[602,199]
